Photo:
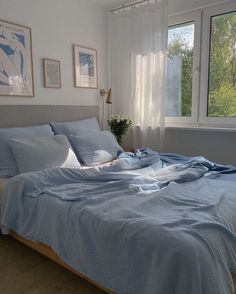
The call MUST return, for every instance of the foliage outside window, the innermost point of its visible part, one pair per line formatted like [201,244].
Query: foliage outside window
[179,71]
[222,72]
[201,67]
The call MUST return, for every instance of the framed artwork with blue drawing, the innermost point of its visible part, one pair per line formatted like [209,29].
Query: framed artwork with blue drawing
[16,68]
[85,67]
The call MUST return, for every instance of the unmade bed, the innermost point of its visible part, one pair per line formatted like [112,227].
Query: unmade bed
[115,227]
[148,223]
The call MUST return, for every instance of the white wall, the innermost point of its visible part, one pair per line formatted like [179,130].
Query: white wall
[56,25]
[218,146]
[176,6]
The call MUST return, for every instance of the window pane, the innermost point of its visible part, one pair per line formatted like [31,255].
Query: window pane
[222,73]
[179,70]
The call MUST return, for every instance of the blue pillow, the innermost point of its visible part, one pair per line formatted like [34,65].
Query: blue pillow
[43,153]
[95,147]
[8,166]
[66,128]
[80,130]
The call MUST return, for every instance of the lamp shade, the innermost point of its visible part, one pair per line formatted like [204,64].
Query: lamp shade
[109,97]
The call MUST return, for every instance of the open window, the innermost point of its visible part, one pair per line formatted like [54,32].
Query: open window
[218,83]
[183,68]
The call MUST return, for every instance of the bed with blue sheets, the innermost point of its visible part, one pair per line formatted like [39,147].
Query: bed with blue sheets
[147,223]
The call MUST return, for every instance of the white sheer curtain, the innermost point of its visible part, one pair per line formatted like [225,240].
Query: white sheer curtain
[138,44]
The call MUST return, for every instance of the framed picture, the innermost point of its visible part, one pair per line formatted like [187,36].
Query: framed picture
[52,73]
[16,66]
[85,67]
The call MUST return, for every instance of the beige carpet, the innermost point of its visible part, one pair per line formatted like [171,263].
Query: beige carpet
[24,271]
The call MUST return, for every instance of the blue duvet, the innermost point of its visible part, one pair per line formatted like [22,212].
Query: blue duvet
[147,224]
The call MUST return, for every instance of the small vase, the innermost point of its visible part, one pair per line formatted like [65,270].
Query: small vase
[118,139]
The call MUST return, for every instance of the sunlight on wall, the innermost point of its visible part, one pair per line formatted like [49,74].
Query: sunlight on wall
[147,86]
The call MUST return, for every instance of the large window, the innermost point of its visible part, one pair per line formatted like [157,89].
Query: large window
[183,68]
[179,70]
[202,44]
[222,69]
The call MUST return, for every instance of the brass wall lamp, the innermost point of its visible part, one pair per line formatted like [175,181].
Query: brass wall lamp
[103,92]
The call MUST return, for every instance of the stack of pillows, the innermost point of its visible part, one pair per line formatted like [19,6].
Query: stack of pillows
[65,145]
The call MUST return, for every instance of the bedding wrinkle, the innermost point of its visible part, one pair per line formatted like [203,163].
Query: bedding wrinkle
[162,224]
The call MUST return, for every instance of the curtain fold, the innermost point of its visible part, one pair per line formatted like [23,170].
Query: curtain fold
[138,70]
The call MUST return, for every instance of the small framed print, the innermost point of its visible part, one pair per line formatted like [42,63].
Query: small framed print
[16,66]
[52,73]
[85,67]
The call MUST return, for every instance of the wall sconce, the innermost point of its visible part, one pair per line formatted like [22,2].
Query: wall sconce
[109,96]
[104,92]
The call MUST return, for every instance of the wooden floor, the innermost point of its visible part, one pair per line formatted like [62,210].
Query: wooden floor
[24,271]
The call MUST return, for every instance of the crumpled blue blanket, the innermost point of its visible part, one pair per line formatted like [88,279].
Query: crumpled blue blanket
[147,224]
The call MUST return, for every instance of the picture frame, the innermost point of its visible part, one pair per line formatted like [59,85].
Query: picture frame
[85,67]
[52,73]
[16,64]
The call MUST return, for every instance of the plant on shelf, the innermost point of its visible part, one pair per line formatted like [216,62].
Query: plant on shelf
[119,125]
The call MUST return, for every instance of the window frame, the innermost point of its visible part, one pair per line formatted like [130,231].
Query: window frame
[181,19]
[208,13]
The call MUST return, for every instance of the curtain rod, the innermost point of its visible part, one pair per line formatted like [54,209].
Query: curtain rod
[131,4]
[134,3]
[219,2]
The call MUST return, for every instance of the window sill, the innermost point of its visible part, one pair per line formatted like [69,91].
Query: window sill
[201,128]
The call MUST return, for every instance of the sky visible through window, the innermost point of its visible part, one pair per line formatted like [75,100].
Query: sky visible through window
[183,32]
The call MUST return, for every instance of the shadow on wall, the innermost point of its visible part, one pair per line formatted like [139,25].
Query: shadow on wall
[218,146]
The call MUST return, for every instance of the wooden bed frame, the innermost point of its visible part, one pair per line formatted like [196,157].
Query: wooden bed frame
[49,253]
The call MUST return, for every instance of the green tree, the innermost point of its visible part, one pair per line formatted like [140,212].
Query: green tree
[222,84]
[222,73]
[179,47]
[222,102]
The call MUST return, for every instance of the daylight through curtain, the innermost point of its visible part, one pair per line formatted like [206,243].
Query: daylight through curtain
[138,70]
